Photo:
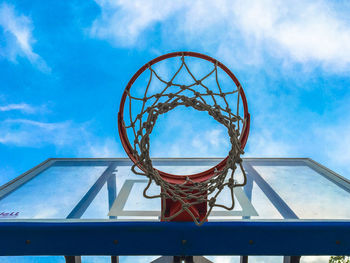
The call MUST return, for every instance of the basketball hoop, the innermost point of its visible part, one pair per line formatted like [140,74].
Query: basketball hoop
[185,197]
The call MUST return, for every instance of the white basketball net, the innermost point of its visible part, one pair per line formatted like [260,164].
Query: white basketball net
[197,95]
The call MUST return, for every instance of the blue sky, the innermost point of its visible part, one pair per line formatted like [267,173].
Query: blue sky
[64,65]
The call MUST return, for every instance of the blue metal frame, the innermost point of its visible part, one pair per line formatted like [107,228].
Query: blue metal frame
[175,238]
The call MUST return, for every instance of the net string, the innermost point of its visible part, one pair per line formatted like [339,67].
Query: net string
[190,192]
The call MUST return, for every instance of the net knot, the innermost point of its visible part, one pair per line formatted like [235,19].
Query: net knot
[139,133]
[186,205]
[231,183]
[163,108]
[212,189]
[212,201]
[146,125]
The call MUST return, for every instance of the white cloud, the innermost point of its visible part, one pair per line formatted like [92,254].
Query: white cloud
[190,141]
[67,136]
[304,32]
[18,37]
[99,149]
[264,144]
[211,142]
[23,107]
[123,21]
[29,133]
[309,31]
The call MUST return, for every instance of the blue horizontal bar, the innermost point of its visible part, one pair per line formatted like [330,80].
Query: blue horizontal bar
[175,238]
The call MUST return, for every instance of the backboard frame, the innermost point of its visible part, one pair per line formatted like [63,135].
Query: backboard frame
[72,236]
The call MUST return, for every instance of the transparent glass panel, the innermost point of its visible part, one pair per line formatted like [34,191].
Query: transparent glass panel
[263,206]
[224,259]
[137,202]
[265,259]
[182,170]
[99,208]
[53,193]
[137,259]
[96,259]
[309,194]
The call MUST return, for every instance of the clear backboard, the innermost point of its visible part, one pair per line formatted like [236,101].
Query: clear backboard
[282,196]
[107,189]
